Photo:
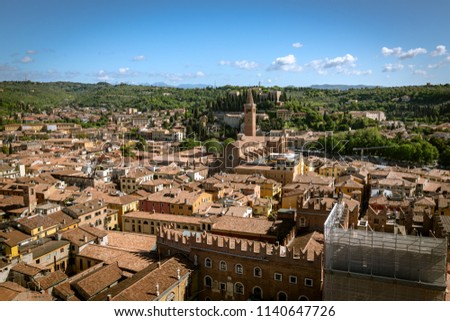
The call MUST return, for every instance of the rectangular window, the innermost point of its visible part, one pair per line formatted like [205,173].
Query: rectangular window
[292,279]
[309,282]
[278,276]
[61,250]
[222,286]
[302,222]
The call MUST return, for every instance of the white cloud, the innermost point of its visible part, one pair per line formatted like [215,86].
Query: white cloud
[240,64]
[244,64]
[103,76]
[389,52]
[31,52]
[297,45]
[392,67]
[440,63]
[26,60]
[138,58]
[399,53]
[124,70]
[342,65]
[412,53]
[286,63]
[176,77]
[434,66]
[356,72]
[339,61]
[440,51]
[420,72]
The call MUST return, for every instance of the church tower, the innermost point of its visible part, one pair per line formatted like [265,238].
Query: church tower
[250,115]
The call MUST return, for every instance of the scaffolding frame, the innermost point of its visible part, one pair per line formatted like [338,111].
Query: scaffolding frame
[388,256]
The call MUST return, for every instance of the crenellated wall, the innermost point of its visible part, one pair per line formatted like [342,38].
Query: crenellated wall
[237,247]
[231,268]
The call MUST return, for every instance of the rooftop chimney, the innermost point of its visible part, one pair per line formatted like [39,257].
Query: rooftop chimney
[157,289]
[178,274]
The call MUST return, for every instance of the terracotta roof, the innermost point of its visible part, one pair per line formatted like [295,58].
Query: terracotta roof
[163,217]
[10,290]
[78,236]
[63,219]
[315,246]
[88,207]
[127,260]
[131,241]
[26,269]
[64,291]
[137,173]
[48,247]
[11,200]
[142,286]
[13,237]
[349,183]
[314,179]
[425,201]
[52,279]
[351,203]
[175,196]
[242,225]
[93,230]
[98,281]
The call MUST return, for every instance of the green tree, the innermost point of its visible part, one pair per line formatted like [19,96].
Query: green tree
[213,146]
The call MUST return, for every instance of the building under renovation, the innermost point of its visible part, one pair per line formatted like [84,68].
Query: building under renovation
[369,265]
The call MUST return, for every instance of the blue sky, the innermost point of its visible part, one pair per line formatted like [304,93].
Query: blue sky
[247,42]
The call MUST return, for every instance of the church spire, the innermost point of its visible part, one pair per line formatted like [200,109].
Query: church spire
[250,97]
[250,116]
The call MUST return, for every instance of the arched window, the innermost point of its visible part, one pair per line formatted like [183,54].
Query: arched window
[238,288]
[239,269]
[208,262]
[303,298]
[257,293]
[208,281]
[223,266]
[257,272]
[281,296]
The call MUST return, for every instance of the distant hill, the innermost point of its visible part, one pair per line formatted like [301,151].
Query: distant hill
[181,86]
[160,84]
[192,86]
[341,87]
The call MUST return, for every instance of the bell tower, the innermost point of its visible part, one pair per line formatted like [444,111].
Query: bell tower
[249,115]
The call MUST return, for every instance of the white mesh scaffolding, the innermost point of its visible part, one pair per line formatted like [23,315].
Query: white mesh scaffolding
[419,262]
